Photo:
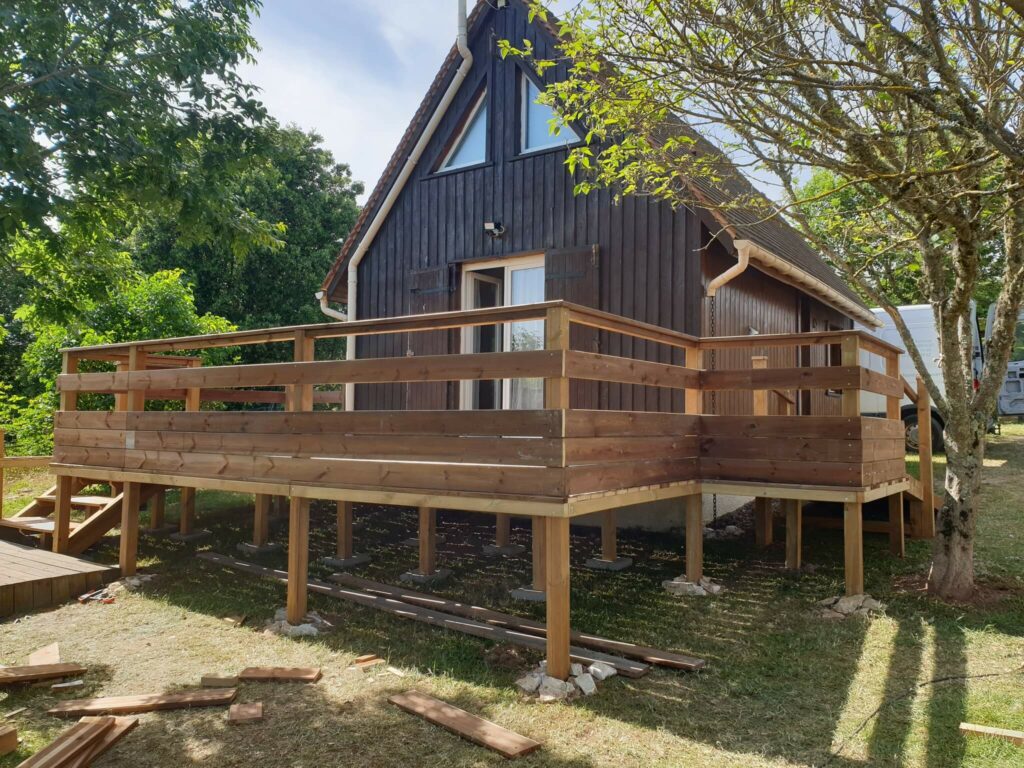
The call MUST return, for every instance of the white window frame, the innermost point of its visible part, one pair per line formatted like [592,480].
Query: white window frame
[525,81]
[457,144]
[466,341]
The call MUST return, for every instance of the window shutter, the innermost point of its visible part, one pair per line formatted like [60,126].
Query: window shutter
[430,290]
[574,274]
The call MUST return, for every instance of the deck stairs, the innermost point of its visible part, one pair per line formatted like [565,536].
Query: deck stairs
[103,513]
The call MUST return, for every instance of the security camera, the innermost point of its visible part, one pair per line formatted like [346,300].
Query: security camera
[494,228]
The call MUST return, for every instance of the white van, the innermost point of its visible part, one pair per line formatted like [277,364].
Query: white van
[920,321]
[1011,394]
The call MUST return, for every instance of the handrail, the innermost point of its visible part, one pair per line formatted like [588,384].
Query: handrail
[868,343]
[909,391]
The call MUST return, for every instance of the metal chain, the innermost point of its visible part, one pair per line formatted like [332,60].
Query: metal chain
[714,402]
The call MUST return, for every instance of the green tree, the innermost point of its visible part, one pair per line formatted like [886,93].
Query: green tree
[293,182]
[106,106]
[916,105]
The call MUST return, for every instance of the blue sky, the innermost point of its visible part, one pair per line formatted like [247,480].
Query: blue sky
[352,70]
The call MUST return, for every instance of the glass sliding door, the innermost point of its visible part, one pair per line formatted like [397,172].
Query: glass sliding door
[524,285]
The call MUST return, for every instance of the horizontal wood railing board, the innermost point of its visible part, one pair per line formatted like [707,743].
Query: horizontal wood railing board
[434,448]
[442,477]
[782,471]
[484,365]
[802,448]
[610,450]
[590,423]
[827,377]
[605,321]
[868,342]
[836,427]
[624,370]
[24,462]
[613,477]
[445,423]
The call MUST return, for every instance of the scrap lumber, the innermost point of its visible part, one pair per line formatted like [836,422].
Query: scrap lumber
[460,722]
[1014,737]
[48,654]
[218,681]
[281,674]
[367,661]
[625,667]
[122,726]
[35,673]
[519,624]
[245,713]
[76,741]
[8,739]
[147,702]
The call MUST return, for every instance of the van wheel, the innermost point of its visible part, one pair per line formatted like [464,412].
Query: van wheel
[911,432]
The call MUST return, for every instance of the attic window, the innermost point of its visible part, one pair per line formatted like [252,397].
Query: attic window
[470,147]
[540,126]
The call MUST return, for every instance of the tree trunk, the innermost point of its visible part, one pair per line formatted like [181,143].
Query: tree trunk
[952,573]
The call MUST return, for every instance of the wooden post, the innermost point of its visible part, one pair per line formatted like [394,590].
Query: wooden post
[609,544]
[556,337]
[428,541]
[62,513]
[763,533]
[129,528]
[694,398]
[344,548]
[853,544]
[926,528]
[851,356]
[3,453]
[187,499]
[261,521]
[557,588]
[69,400]
[694,538]
[897,540]
[794,532]
[539,550]
[304,353]
[892,402]
[157,505]
[760,362]
[298,559]
[502,530]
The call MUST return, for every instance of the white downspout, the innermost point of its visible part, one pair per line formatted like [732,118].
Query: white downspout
[742,262]
[321,296]
[462,44]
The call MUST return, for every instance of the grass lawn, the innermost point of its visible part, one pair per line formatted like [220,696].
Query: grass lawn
[783,687]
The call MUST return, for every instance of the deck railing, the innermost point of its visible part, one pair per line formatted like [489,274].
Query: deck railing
[549,455]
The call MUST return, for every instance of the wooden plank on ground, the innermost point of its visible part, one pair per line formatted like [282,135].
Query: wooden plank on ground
[78,740]
[245,713]
[49,654]
[147,702]
[475,729]
[8,739]
[35,673]
[1014,737]
[281,674]
[122,726]
[509,621]
[625,667]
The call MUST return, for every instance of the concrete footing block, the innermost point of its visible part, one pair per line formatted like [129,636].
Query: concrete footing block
[189,538]
[415,577]
[256,549]
[159,533]
[529,594]
[415,542]
[618,564]
[344,564]
[509,550]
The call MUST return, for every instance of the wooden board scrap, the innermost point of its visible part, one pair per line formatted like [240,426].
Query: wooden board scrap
[148,702]
[76,741]
[48,654]
[122,726]
[367,662]
[245,713]
[1014,737]
[468,726]
[281,674]
[37,672]
[218,681]
[8,739]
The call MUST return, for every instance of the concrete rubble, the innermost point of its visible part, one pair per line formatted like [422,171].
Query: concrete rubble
[681,587]
[851,605]
[582,681]
[312,625]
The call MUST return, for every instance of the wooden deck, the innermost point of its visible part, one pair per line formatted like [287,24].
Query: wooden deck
[31,578]
[551,463]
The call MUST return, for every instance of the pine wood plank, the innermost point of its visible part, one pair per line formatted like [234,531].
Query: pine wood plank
[36,672]
[1014,737]
[149,702]
[8,739]
[122,727]
[281,674]
[75,742]
[469,726]
[245,713]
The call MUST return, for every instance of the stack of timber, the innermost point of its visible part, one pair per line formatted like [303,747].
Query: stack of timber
[82,743]
[479,622]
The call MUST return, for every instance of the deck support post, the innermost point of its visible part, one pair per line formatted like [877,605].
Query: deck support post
[609,559]
[853,545]
[794,533]
[557,588]
[344,554]
[298,559]
[764,532]
[427,571]
[157,506]
[129,528]
[503,538]
[260,543]
[62,513]
[538,536]
[694,538]
[897,540]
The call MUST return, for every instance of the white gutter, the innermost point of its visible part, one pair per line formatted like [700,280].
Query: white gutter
[742,262]
[321,296]
[462,44]
[813,284]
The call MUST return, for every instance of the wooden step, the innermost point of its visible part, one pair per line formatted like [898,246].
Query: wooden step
[88,502]
[32,524]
